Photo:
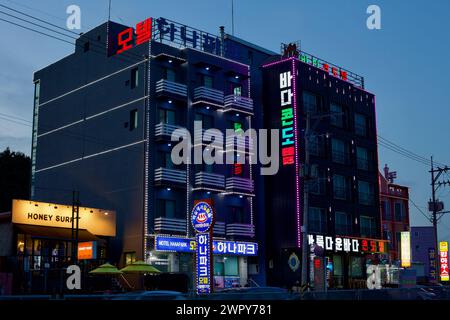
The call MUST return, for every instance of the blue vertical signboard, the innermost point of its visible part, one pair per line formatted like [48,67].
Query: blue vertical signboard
[202,221]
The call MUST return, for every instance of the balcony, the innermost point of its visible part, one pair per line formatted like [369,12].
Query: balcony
[219,228]
[340,157]
[241,144]
[205,137]
[165,130]
[171,89]
[169,225]
[239,185]
[365,198]
[205,180]
[238,104]
[208,96]
[341,193]
[240,230]
[164,176]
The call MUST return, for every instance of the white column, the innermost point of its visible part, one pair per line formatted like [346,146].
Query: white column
[243,270]
[174,263]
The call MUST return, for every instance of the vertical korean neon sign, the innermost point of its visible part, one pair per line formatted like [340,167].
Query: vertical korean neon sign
[443,259]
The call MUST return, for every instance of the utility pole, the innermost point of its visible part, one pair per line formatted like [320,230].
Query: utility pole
[75,224]
[435,185]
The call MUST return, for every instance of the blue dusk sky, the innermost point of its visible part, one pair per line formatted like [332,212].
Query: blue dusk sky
[405,64]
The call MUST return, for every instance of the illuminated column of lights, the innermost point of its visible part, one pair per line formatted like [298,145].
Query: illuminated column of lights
[147,153]
[297,177]
[250,144]
[187,196]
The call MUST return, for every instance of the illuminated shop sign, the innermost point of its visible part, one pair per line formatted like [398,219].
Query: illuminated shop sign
[166,31]
[173,244]
[346,244]
[202,218]
[432,262]
[97,221]
[238,167]
[87,250]
[287,118]
[203,263]
[405,249]
[443,259]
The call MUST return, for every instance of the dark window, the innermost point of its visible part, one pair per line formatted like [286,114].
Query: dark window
[366,193]
[207,121]
[310,103]
[317,220]
[134,78]
[386,209]
[166,116]
[367,227]
[340,151]
[398,207]
[207,81]
[316,146]
[165,160]
[341,187]
[318,185]
[169,74]
[343,223]
[133,119]
[363,159]
[360,125]
[337,117]
[86,46]
[238,215]
[166,208]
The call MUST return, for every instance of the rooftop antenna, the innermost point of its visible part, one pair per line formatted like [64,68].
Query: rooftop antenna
[232,17]
[109,11]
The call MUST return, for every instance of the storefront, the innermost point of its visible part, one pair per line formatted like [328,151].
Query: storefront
[233,261]
[343,260]
[39,240]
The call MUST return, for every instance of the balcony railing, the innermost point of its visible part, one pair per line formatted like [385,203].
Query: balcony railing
[239,184]
[360,130]
[166,130]
[341,157]
[244,143]
[365,198]
[212,180]
[164,87]
[164,175]
[239,104]
[240,230]
[341,193]
[364,164]
[205,94]
[163,224]
[219,228]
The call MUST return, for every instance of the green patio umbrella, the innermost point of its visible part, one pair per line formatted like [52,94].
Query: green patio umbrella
[106,269]
[139,267]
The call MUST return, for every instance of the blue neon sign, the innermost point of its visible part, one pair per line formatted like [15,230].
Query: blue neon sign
[203,263]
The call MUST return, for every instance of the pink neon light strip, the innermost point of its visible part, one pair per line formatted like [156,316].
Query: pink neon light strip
[297,165]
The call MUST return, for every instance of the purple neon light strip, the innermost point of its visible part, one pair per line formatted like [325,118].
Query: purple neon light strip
[277,62]
[297,175]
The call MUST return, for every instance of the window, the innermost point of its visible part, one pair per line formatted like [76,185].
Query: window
[367,227]
[398,208]
[166,116]
[165,160]
[340,187]
[166,208]
[237,214]
[130,257]
[386,209]
[207,121]
[360,125]
[318,186]
[309,102]
[343,223]
[207,81]
[316,146]
[317,220]
[337,116]
[365,193]
[133,119]
[86,46]
[134,78]
[339,151]
[363,158]
[169,75]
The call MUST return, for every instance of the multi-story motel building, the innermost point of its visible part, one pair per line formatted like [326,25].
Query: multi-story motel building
[311,100]
[394,200]
[103,119]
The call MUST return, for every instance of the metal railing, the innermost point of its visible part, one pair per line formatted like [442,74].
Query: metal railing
[237,183]
[219,228]
[238,103]
[209,179]
[165,129]
[166,86]
[240,229]
[208,94]
[170,175]
[170,224]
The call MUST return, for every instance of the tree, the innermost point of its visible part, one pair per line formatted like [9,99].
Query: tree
[15,170]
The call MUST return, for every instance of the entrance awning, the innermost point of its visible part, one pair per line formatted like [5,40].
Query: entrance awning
[64,234]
